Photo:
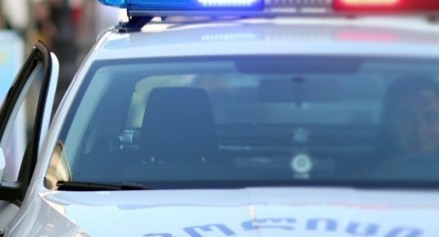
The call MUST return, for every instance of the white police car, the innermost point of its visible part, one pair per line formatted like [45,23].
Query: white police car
[232,118]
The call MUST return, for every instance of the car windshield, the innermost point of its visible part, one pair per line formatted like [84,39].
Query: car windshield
[217,121]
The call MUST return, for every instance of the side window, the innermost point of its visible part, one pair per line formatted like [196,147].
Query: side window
[20,126]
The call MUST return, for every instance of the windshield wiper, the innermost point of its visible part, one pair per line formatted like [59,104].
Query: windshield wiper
[89,186]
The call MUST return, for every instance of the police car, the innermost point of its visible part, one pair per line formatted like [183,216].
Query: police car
[217,118]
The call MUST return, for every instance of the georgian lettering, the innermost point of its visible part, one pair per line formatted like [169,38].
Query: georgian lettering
[358,229]
[274,223]
[196,231]
[159,235]
[404,232]
[326,224]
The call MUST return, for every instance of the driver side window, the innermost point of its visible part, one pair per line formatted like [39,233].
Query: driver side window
[20,126]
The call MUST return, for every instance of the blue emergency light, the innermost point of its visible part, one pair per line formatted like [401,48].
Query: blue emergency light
[185,5]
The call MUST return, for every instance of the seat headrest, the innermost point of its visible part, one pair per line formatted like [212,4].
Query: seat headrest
[178,126]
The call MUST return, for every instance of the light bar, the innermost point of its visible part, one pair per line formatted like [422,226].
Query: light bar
[155,6]
[371,2]
[207,3]
[386,6]
[139,8]
[115,3]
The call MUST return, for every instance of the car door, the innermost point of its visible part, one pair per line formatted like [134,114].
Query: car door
[24,120]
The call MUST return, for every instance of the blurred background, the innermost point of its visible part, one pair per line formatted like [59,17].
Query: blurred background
[68,27]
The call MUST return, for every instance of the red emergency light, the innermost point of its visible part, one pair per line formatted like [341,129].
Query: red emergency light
[386,5]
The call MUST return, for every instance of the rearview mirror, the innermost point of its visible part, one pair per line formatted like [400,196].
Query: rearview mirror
[300,89]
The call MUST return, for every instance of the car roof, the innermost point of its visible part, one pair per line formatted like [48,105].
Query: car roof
[377,36]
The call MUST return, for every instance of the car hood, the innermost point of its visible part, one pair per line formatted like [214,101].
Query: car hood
[258,212]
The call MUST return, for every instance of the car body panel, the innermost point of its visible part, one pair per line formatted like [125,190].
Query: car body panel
[241,212]
[270,37]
